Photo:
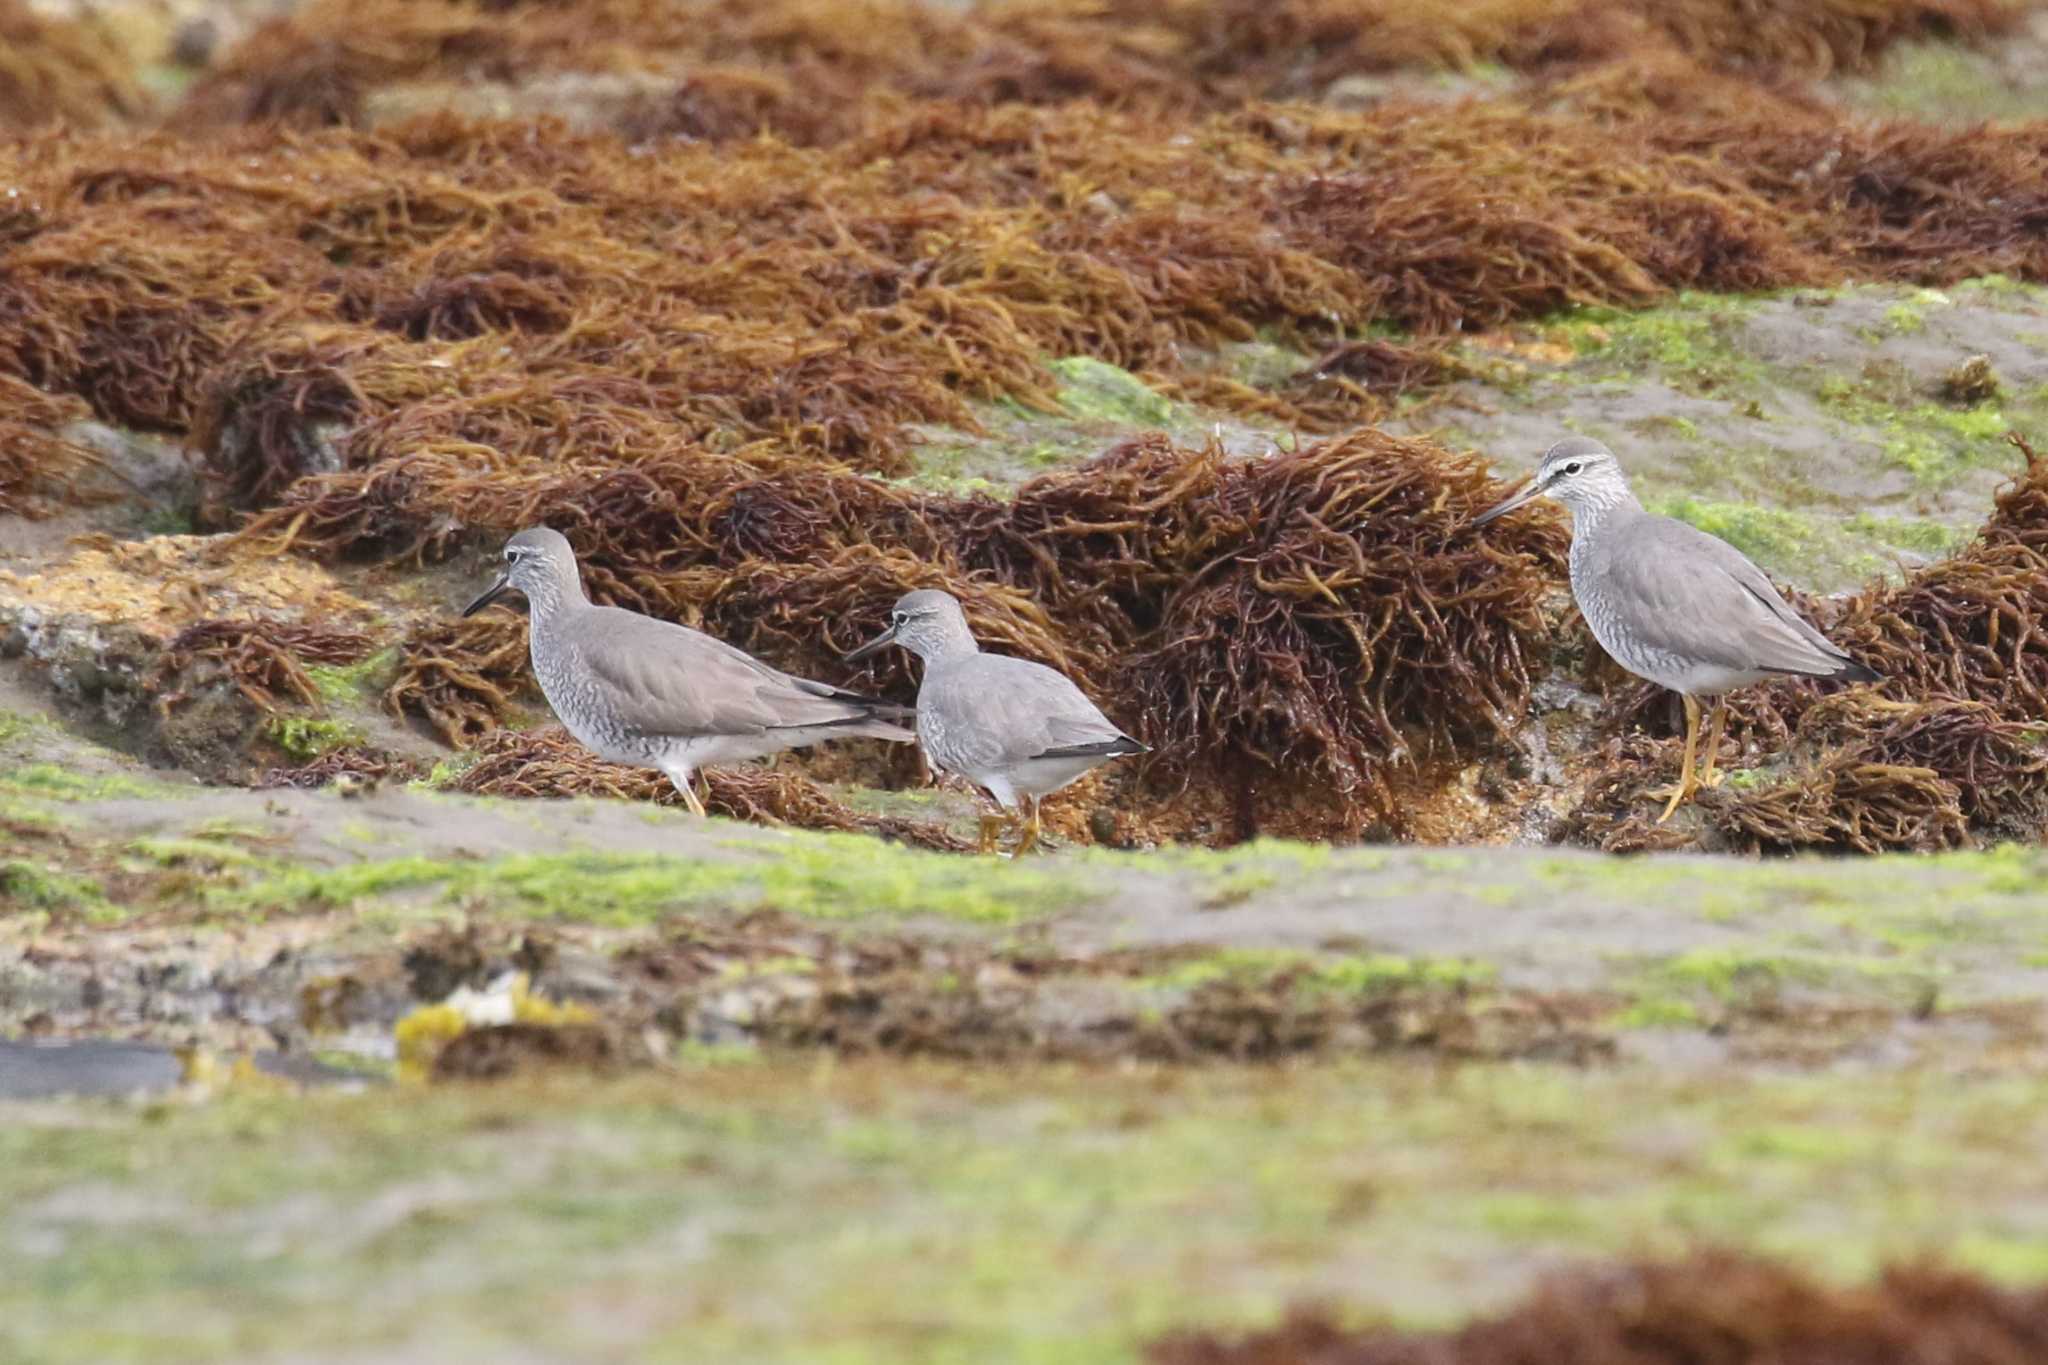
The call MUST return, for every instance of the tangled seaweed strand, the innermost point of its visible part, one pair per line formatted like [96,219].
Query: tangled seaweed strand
[270,410]
[810,73]
[1713,1308]
[1844,801]
[550,764]
[1336,605]
[38,468]
[1319,610]
[264,658]
[357,332]
[394,315]
[1971,625]
[67,71]
[1271,1018]
[460,676]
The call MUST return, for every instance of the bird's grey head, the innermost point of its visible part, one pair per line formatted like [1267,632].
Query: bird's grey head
[539,563]
[1579,472]
[928,623]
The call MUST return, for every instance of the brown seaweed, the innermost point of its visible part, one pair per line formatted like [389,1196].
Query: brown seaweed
[810,72]
[265,660]
[39,465]
[550,764]
[1711,1308]
[461,676]
[63,70]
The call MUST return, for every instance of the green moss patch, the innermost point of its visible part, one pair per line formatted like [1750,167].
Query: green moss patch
[29,886]
[1093,389]
[1921,537]
[361,681]
[1934,443]
[1945,82]
[1323,974]
[1080,1211]
[308,737]
[1096,404]
[822,876]
[57,782]
[1692,340]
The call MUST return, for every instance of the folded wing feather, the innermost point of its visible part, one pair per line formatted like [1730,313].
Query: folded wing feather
[670,679]
[1698,596]
[1011,710]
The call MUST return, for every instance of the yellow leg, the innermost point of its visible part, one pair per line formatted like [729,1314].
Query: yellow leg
[1687,783]
[1027,840]
[690,798]
[992,827]
[1710,775]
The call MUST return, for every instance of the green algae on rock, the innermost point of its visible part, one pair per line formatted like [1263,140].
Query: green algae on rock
[1067,1206]
[821,875]
[305,738]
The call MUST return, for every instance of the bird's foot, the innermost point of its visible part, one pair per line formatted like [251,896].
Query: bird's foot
[992,827]
[1711,777]
[1678,794]
[1027,839]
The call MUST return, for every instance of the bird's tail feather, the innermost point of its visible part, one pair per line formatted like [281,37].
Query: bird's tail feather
[1845,669]
[882,729]
[864,717]
[1106,748]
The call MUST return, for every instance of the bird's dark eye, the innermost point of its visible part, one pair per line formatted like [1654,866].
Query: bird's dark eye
[1573,468]
[897,618]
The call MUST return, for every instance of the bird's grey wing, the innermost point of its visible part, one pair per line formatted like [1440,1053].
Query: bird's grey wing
[1075,722]
[669,679]
[1690,594]
[997,711]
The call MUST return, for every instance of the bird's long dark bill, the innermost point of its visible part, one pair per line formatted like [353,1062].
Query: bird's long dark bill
[871,646]
[488,596]
[1509,503]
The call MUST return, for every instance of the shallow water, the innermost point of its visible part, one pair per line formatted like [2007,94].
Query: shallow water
[96,1068]
[43,1070]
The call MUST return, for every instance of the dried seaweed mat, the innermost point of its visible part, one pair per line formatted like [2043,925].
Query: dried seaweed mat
[550,764]
[1713,1308]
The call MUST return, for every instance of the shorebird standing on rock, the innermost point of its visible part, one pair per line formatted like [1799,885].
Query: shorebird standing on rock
[1018,730]
[1671,603]
[654,694]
